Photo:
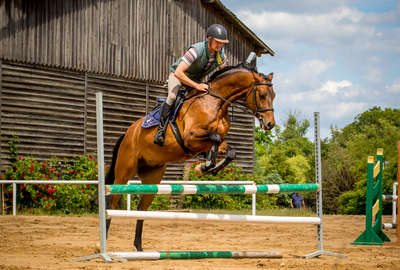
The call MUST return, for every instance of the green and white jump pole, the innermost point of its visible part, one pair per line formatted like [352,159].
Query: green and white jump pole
[199,189]
[208,189]
[161,255]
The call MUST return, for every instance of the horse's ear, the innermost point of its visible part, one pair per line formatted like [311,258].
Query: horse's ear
[270,76]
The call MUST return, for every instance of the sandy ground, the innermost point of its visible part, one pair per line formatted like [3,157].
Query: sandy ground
[49,242]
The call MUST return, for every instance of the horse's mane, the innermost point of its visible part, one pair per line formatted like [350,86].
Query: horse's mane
[221,72]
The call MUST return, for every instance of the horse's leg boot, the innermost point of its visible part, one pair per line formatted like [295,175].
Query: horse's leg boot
[162,126]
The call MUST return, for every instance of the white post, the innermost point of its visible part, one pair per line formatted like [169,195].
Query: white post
[14,185]
[253,204]
[394,204]
[128,202]
[100,158]
[318,177]
[102,198]
[318,180]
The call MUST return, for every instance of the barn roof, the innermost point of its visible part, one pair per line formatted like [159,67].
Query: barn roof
[262,48]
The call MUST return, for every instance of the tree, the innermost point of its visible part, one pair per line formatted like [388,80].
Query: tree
[287,153]
[348,150]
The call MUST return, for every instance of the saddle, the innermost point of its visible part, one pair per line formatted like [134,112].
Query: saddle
[153,118]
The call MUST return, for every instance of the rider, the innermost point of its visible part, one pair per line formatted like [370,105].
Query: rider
[200,59]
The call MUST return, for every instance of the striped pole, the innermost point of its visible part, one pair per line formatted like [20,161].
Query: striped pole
[208,189]
[152,215]
[161,255]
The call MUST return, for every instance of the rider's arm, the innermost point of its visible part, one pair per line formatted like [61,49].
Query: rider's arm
[180,74]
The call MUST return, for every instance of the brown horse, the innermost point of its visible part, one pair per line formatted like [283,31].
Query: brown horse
[203,121]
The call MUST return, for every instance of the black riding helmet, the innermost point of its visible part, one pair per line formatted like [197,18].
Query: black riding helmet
[218,32]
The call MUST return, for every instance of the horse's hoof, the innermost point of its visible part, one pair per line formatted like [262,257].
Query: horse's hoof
[138,248]
[198,170]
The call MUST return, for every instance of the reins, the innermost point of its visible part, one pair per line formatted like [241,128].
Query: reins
[254,90]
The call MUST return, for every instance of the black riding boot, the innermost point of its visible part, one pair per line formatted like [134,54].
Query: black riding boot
[162,126]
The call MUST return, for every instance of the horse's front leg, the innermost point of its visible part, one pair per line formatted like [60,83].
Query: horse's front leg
[230,154]
[211,157]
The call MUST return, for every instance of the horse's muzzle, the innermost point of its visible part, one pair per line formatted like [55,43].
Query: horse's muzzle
[267,125]
[270,125]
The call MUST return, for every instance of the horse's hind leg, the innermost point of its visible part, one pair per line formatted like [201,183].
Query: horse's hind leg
[147,175]
[125,169]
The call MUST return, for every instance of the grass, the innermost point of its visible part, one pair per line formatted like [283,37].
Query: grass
[265,212]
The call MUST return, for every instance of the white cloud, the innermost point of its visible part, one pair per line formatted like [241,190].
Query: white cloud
[342,109]
[333,87]
[326,28]
[374,74]
[394,88]
[306,75]
[330,92]
[314,67]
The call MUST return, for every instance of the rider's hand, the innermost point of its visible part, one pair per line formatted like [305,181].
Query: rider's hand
[202,87]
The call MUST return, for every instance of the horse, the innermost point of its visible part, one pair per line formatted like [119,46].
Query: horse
[203,121]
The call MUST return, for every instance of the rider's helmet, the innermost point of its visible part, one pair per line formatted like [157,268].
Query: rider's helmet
[218,32]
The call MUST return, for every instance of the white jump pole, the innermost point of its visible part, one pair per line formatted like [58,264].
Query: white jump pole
[100,158]
[101,190]
[152,215]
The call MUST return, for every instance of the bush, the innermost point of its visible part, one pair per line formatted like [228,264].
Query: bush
[52,197]
[235,202]
[270,201]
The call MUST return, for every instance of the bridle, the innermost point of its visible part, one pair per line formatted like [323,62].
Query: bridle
[254,89]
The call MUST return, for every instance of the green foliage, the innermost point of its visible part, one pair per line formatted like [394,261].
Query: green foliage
[272,201]
[263,139]
[353,201]
[300,166]
[13,144]
[52,197]
[219,201]
[375,128]
[289,155]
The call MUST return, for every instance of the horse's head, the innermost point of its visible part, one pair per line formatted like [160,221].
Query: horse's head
[260,100]
[234,82]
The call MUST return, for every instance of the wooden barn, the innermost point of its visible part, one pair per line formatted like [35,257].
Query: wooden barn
[56,54]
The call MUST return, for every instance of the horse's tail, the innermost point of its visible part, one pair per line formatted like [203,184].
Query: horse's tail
[110,175]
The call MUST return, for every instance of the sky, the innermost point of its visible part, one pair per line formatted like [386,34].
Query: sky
[336,57]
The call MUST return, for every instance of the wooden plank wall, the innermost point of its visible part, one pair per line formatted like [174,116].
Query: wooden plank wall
[132,39]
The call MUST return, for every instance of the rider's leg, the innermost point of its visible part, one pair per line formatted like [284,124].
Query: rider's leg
[162,126]
[173,86]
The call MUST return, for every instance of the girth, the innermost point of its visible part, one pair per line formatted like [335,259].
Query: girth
[172,120]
